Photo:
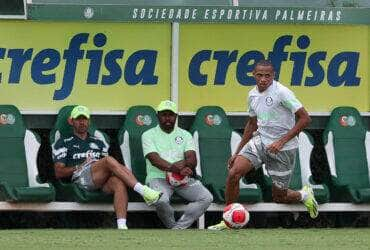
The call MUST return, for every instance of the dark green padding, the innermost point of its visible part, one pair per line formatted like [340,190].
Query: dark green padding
[138,120]
[352,181]
[71,191]
[14,185]
[321,195]
[214,150]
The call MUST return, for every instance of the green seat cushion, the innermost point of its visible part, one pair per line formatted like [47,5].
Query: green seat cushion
[34,194]
[14,177]
[66,191]
[363,194]
[138,120]
[346,133]
[214,140]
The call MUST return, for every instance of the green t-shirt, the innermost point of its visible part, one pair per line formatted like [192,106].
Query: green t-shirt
[170,147]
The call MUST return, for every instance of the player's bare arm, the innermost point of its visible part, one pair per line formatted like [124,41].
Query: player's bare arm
[164,165]
[160,163]
[61,171]
[187,165]
[303,120]
[190,159]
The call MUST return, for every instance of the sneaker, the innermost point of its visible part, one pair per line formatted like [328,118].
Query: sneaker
[218,227]
[151,196]
[124,227]
[310,202]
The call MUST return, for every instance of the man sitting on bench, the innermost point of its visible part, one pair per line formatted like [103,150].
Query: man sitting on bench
[83,159]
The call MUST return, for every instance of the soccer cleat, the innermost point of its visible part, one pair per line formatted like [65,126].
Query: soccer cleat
[310,202]
[123,227]
[218,227]
[151,196]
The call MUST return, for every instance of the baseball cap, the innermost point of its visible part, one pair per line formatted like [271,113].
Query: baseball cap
[167,105]
[80,110]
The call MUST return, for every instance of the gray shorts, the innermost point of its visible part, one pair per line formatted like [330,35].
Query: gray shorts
[84,178]
[279,166]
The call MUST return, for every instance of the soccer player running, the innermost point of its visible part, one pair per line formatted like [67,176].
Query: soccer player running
[270,137]
[83,159]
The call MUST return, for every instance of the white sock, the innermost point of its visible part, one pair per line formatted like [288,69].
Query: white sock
[139,188]
[121,223]
[304,195]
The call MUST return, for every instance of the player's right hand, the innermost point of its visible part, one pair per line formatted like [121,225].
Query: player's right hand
[230,162]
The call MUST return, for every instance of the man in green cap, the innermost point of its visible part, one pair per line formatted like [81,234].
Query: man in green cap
[83,159]
[170,163]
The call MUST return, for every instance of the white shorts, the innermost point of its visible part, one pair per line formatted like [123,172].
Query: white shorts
[279,166]
[84,178]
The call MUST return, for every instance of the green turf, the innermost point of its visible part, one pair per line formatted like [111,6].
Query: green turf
[186,239]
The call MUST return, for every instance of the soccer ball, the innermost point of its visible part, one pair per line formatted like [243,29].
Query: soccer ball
[235,215]
[176,180]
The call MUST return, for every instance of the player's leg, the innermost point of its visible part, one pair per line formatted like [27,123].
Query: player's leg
[200,199]
[285,195]
[165,211]
[280,167]
[104,168]
[249,157]
[120,199]
[304,195]
[240,168]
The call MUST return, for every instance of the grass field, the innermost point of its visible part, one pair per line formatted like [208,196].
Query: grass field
[186,239]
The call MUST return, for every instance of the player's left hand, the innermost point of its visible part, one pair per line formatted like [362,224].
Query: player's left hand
[276,146]
[186,171]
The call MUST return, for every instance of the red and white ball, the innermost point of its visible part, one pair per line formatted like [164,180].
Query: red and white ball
[235,215]
[176,180]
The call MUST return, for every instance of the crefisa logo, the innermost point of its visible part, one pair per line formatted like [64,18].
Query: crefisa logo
[142,120]
[339,69]
[212,120]
[347,121]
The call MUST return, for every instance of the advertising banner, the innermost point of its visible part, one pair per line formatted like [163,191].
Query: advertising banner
[324,65]
[121,12]
[105,66]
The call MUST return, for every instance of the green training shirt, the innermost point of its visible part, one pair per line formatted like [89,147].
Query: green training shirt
[170,147]
[73,150]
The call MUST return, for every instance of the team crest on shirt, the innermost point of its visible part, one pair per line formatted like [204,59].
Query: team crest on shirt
[179,139]
[93,145]
[269,101]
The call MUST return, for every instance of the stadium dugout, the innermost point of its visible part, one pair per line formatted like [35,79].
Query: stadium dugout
[25,88]
[61,206]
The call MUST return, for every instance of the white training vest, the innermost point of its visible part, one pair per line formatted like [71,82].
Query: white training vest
[275,110]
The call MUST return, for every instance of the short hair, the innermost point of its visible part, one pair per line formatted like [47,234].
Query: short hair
[265,62]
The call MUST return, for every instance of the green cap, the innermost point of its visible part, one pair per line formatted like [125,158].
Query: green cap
[167,105]
[80,110]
